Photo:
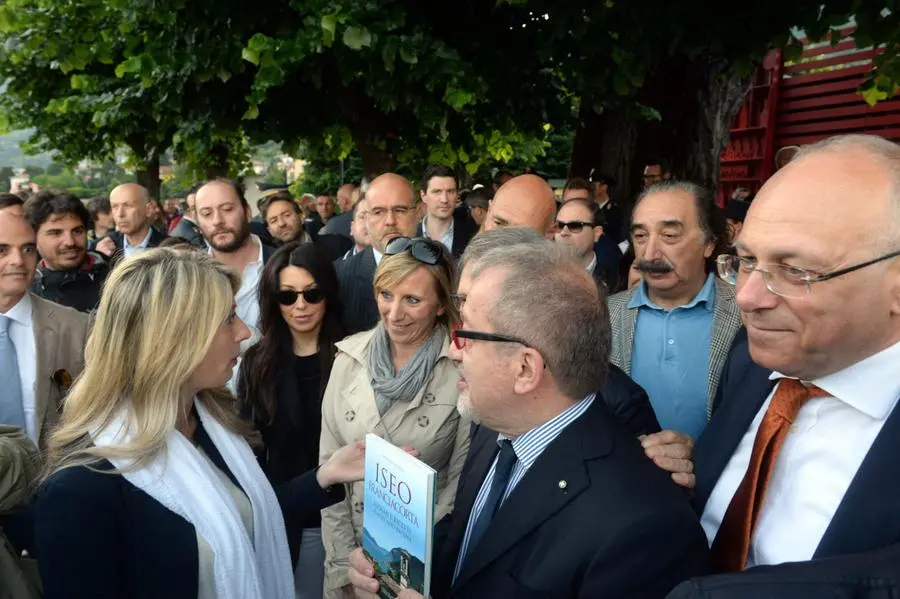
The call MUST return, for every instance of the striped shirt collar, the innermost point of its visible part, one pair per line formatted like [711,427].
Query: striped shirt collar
[531,445]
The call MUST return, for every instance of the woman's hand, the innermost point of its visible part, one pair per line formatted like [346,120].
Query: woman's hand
[347,464]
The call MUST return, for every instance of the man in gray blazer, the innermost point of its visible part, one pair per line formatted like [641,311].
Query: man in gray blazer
[672,333]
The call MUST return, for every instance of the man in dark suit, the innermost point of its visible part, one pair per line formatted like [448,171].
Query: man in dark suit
[799,463]
[134,232]
[556,499]
[392,213]
[187,228]
[578,226]
[444,221]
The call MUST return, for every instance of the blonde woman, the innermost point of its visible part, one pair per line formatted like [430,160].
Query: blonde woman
[154,490]
[398,382]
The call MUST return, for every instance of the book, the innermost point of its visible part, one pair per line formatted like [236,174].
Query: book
[398,518]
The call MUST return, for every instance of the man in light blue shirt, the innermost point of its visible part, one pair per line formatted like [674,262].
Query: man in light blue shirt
[672,332]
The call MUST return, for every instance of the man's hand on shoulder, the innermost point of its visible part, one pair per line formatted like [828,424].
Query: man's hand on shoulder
[673,452]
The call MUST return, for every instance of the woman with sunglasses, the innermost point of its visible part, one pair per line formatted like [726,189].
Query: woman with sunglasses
[397,382]
[283,377]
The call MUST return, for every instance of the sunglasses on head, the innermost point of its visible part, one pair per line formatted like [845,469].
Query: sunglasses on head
[288,297]
[575,226]
[425,251]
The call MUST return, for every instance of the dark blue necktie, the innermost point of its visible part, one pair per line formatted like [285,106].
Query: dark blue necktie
[505,462]
[11,409]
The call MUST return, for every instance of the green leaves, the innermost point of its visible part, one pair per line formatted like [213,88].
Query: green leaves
[329,26]
[458,98]
[357,38]
[131,65]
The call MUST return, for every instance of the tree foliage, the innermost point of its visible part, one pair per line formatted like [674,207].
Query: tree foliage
[396,81]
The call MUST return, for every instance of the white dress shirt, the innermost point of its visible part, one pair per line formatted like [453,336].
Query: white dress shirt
[821,455]
[131,250]
[378,256]
[21,331]
[246,298]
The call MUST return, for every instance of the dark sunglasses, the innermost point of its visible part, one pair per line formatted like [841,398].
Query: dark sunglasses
[459,337]
[288,297]
[575,226]
[425,251]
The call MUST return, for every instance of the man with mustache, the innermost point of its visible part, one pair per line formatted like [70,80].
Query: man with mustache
[223,216]
[672,333]
[391,213]
[68,274]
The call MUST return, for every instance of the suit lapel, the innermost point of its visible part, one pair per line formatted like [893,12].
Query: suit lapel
[45,337]
[742,401]
[623,322]
[868,517]
[726,323]
[563,460]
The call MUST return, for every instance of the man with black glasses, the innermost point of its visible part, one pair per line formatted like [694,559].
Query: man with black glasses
[556,497]
[798,468]
[577,226]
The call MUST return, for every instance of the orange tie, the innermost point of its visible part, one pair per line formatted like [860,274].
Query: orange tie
[732,543]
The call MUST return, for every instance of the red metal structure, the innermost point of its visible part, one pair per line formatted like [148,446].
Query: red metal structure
[792,104]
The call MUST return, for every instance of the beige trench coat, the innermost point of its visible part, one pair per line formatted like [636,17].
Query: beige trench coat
[429,422]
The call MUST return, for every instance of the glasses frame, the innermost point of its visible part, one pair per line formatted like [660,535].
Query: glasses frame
[808,279]
[560,225]
[298,295]
[456,334]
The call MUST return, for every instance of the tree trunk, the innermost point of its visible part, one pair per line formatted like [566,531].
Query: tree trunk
[375,160]
[605,143]
[149,177]
[697,101]
[218,166]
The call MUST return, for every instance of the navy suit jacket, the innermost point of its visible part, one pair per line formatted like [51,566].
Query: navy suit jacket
[871,575]
[355,275]
[868,517]
[629,403]
[100,537]
[593,517]
[608,258]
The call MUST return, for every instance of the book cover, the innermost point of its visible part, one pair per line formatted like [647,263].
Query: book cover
[398,518]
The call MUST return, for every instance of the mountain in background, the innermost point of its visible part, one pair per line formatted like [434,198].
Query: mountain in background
[13,155]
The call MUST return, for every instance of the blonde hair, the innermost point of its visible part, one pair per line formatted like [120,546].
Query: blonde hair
[158,316]
[393,269]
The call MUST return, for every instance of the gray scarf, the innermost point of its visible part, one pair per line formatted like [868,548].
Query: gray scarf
[391,386]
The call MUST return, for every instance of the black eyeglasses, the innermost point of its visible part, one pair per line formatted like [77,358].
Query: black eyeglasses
[459,337]
[575,226]
[288,297]
[425,251]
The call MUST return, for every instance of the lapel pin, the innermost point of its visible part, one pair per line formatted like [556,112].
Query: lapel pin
[563,484]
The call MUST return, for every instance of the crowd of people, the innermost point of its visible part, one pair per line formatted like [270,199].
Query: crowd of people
[674,400]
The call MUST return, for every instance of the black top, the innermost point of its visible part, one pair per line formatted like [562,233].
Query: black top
[77,288]
[291,439]
[100,537]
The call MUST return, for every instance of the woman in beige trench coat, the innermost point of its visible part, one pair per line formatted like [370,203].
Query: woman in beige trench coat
[397,382]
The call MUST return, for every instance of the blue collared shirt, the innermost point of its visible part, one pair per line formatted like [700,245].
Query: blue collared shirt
[131,250]
[528,448]
[670,357]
